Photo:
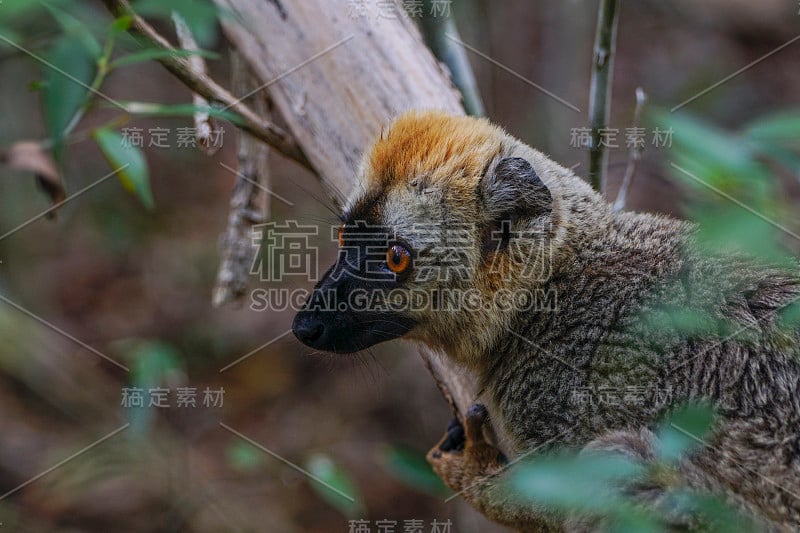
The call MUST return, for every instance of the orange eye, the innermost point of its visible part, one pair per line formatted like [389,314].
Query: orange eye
[398,258]
[341,236]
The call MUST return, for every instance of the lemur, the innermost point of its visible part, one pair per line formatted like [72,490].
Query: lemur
[437,189]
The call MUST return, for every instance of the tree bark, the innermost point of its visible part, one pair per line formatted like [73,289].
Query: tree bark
[337,74]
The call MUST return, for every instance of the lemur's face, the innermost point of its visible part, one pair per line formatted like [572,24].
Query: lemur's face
[436,199]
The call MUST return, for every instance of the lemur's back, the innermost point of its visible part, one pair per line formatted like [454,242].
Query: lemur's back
[644,320]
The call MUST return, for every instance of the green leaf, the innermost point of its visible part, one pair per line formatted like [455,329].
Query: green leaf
[120,24]
[200,15]
[15,10]
[687,321]
[8,34]
[684,431]
[159,53]
[777,153]
[729,227]
[712,155]
[781,126]
[134,175]
[243,456]
[153,364]
[340,492]
[632,520]
[65,88]
[76,29]
[413,469]
[789,316]
[713,513]
[588,483]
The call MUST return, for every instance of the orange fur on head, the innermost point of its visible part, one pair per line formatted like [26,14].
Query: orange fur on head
[433,144]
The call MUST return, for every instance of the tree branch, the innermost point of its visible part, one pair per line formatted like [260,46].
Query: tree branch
[204,86]
[436,28]
[600,90]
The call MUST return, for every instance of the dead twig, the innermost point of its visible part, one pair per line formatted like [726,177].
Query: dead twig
[634,155]
[249,203]
[204,124]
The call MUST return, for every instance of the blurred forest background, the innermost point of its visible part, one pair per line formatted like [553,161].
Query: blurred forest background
[135,284]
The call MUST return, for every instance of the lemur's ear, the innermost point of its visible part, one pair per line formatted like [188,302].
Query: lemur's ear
[513,189]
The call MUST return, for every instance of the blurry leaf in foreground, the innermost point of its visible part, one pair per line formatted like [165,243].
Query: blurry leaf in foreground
[153,364]
[778,154]
[789,316]
[31,156]
[714,155]
[243,456]
[76,29]
[686,321]
[683,431]
[782,127]
[633,520]
[8,34]
[134,175]
[333,475]
[16,12]
[413,469]
[589,483]
[714,513]
[731,228]
[63,96]
[120,24]
[200,15]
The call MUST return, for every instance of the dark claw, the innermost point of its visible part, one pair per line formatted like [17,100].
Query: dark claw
[455,439]
[477,412]
[474,420]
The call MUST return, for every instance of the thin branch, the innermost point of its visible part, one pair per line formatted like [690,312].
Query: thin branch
[600,90]
[435,28]
[635,153]
[204,124]
[204,86]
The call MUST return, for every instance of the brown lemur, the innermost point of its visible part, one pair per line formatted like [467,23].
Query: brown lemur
[437,191]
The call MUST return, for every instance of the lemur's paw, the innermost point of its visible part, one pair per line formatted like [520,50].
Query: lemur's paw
[463,457]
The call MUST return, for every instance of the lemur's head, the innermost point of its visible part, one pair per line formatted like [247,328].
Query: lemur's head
[449,223]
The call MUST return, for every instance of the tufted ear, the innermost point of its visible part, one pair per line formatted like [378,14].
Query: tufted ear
[513,190]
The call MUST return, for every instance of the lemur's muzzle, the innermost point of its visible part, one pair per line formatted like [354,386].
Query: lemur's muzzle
[338,318]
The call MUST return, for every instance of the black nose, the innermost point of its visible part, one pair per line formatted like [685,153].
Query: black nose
[308,331]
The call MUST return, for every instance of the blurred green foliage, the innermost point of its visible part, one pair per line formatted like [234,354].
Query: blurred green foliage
[153,364]
[596,485]
[734,195]
[413,469]
[129,160]
[345,496]
[200,15]
[75,65]
[244,456]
